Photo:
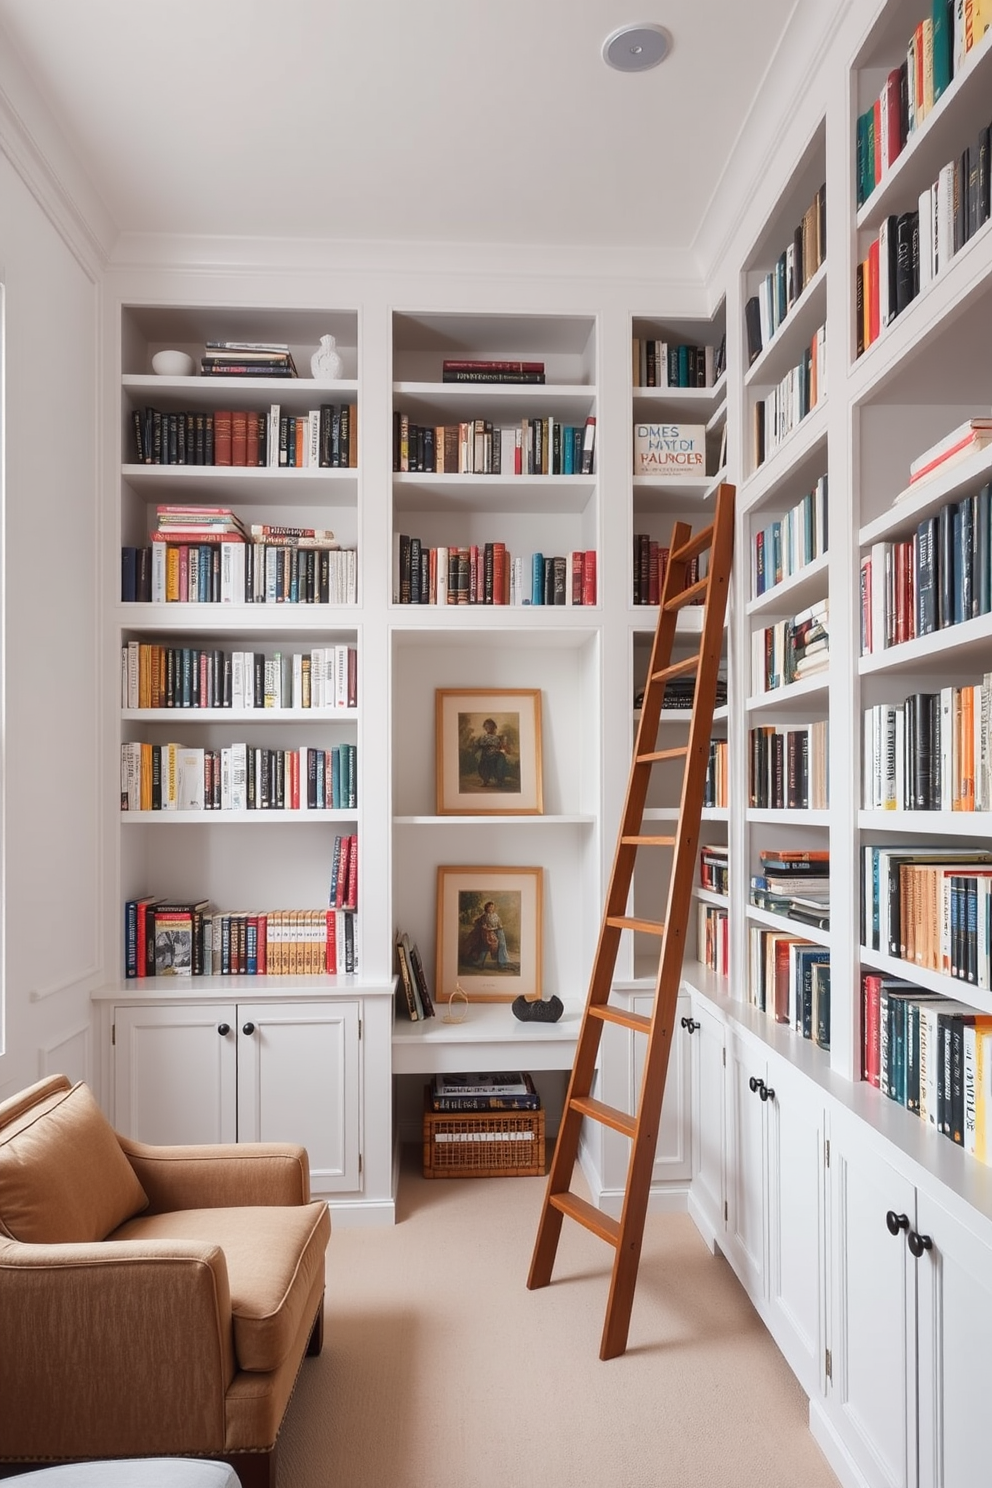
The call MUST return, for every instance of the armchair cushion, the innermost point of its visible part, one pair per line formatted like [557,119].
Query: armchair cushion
[63,1175]
[273,1253]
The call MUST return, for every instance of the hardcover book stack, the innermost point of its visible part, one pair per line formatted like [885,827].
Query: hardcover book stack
[794,883]
[788,767]
[937,51]
[795,266]
[790,980]
[534,446]
[505,1090]
[792,649]
[941,575]
[506,370]
[489,574]
[668,364]
[713,869]
[930,752]
[791,542]
[931,1055]
[188,938]
[247,359]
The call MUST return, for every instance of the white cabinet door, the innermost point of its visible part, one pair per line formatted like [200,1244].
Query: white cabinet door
[796,1223]
[954,1290]
[175,1073]
[873,1314]
[298,1081]
[745,1239]
[673,1155]
[706,1049]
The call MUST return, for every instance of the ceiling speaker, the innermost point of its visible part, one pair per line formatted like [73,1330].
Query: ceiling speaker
[636,48]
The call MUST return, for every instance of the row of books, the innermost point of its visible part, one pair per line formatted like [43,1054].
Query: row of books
[497,1090]
[237,777]
[936,53]
[650,563]
[930,752]
[789,650]
[802,388]
[713,938]
[931,1055]
[913,248]
[669,449]
[794,883]
[938,577]
[716,787]
[489,574]
[789,978]
[657,363]
[795,266]
[491,369]
[323,679]
[165,937]
[413,986]
[713,870]
[325,437]
[930,906]
[247,359]
[238,572]
[789,767]
[537,446]
[343,892]
[788,543]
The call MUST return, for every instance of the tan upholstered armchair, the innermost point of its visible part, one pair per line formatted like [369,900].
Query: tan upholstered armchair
[153,1300]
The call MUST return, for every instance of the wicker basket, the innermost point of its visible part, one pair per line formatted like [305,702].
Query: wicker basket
[482,1144]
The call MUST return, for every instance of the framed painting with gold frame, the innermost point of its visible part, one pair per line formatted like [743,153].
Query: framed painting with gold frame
[489,924]
[488,748]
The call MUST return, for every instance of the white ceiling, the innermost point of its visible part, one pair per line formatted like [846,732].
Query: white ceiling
[476,121]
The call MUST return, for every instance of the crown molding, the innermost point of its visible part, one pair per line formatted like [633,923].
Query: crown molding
[31,139]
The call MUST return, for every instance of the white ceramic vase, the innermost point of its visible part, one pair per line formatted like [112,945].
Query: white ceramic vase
[326,364]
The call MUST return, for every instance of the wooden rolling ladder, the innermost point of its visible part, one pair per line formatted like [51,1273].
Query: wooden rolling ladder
[625,1234]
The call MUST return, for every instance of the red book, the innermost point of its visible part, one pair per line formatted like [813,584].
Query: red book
[452,365]
[589,577]
[499,574]
[893,113]
[251,450]
[239,437]
[330,943]
[870,1061]
[351,893]
[873,301]
[222,436]
[781,1004]
[575,579]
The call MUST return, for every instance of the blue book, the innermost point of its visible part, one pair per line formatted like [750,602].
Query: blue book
[537,579]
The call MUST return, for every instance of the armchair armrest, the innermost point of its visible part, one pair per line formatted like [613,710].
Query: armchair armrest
[113,1348]
[220,1176]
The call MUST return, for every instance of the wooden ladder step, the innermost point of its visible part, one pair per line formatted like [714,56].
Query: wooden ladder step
[696,545]
[610,1116]
[587,1215]
[608,1014]
[678,668]
[687,596]
[629,922]
[649,841]
[663,754]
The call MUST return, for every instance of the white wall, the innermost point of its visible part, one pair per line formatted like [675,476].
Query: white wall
[51,952]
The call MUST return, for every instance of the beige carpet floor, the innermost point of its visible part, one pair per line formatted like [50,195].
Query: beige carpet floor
[441,1370]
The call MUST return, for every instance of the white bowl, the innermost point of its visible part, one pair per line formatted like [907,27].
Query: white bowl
[173,364]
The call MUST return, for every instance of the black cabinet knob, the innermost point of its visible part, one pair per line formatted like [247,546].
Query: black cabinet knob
[918,1243]
[766,1092]
[756,1086]
[248,1028]
[896,1222]
[223,1029]
[689,1024]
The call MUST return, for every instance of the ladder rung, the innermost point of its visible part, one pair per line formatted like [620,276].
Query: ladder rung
[663,754]
[687,596]
[649,841]
[696,545]
[627,922]
[678,668]
[608,1115]
[588,1215]
[608,1014]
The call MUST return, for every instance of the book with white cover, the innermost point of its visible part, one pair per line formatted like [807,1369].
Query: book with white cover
[669,449]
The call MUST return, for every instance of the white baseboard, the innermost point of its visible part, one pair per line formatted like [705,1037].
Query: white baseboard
[702,1224]
[369,1213]
[823,1433]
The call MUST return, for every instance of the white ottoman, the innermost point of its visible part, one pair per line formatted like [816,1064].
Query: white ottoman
[134,1472]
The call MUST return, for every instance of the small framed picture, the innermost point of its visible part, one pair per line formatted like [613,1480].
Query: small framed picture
[489,933]
[488,752]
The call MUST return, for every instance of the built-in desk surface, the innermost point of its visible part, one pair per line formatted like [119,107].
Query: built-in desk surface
[489,1038]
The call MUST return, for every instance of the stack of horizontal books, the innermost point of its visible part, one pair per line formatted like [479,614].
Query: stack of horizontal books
[505,1090]
[247,359]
